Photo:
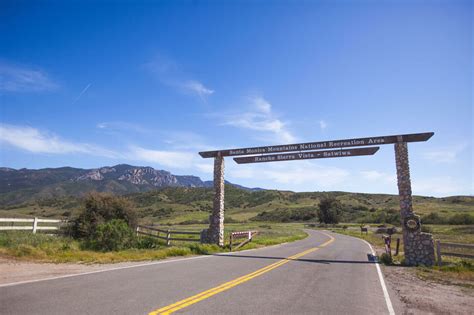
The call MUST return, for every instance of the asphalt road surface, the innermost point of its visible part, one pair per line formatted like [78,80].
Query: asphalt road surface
[325,273]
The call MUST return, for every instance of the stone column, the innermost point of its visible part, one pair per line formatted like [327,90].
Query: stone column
[418,246]
[216,220]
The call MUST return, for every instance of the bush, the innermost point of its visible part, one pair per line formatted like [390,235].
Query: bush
[461,219]
[426,229]
[101,208]
[287,215]
[329,210]
[386,259]
[433,218]
[111,236]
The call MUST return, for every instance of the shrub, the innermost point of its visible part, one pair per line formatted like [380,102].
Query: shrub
[461,219]
[386,259]
[287,215]
[433,218]
[101,208]
[111,236]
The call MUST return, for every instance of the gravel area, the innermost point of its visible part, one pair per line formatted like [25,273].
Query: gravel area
[427,297]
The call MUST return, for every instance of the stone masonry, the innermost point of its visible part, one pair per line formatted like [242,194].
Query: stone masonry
[215,233]
[418,246]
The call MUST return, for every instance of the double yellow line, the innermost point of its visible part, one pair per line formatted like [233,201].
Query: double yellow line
[227,285]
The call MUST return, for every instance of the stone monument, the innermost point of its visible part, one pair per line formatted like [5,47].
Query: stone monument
[418,246]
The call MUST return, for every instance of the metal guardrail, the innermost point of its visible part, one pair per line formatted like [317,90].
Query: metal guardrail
[34,227]
[155,232]
[441,245]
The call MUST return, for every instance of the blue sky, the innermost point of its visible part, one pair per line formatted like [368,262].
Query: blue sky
[88,84]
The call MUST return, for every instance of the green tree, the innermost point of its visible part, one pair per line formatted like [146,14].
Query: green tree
[329,211]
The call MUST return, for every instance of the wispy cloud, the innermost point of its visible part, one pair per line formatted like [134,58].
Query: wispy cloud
[323,125]
[377,176]
[82,93]
[174,159]
[296,173]
[439,186]
[185,140]
[198,88]
[115,126]
[22,79]
[169,73]
[36,141]
[445,154]
[260,117]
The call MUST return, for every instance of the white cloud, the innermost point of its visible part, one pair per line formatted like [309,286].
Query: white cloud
[36,141]
[197,88]
[169,73]
[19,79]
[438,186]
[41,142]
[113,126]
[262,105]
[261,118]
[445,155]
[323,125]
[293,174]
[379,176]
[175,159]
[205,167]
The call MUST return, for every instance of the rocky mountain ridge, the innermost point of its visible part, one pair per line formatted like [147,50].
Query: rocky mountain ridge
[26,184]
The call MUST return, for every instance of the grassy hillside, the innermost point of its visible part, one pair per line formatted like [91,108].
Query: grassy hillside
[180,205]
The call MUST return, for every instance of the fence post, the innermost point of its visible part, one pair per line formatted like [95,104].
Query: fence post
[168,236]
[137,230]
[230,241]
[438,251]
[35,224]
[398,246]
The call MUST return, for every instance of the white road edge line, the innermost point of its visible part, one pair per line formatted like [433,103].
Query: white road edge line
[133,266]
[382,282]
[103,270]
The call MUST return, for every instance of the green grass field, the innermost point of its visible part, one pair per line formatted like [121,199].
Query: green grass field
[58,249]
[455,271]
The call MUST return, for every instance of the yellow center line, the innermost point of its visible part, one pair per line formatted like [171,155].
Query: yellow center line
[227,285]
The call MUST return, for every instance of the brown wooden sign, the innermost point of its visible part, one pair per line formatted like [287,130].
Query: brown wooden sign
[322,145]
[307,155]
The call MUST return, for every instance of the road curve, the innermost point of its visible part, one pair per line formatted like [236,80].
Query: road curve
[325,273]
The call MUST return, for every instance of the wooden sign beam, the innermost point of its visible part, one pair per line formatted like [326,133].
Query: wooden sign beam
[322,145]
[306,155]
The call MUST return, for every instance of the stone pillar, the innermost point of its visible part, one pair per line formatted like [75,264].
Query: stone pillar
[418,246]
[215,234]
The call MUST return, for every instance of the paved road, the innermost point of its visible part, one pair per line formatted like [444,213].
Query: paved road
[327,274]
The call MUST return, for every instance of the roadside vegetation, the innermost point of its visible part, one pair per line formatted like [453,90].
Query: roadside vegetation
[102,226]
[179,205]
[456,271]
[103,232]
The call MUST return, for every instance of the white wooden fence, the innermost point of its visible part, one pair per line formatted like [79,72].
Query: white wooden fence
[8,224]
[155,232]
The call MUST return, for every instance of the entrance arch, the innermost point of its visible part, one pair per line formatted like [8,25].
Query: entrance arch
[418,246]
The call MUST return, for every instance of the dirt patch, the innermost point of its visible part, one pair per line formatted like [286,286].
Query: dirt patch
[423,296]
[16,271]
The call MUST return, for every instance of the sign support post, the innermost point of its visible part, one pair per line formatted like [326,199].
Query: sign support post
[418,246]
[215,233]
